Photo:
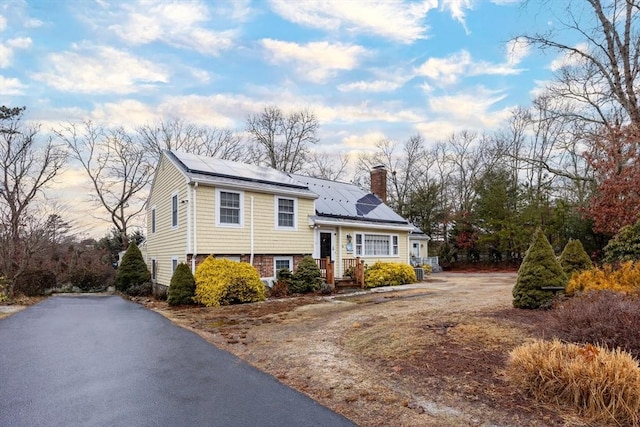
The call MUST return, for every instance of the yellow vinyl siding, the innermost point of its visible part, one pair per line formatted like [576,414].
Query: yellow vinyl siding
[227,240]
[167,242]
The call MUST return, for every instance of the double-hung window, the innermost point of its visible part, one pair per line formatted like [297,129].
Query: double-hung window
[229,208]
[282,262]
[285,213]
[382,245]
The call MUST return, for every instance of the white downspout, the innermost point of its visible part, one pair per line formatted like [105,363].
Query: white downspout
[195,229]
[251,231]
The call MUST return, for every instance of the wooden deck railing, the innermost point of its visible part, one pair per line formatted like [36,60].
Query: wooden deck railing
[351,267]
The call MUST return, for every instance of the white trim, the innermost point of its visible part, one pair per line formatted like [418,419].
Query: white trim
[195,229]
[363,245]
[276,198]
[357,224]
[175,195]
[240,214]
[282,258]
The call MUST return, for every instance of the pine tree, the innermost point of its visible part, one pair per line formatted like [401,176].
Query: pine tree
[574,258]
[182,287]
[539,269]
[133,271]
[307,277]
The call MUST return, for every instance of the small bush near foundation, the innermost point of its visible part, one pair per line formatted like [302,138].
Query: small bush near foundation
[574,258]
[607,318]
[389,274]
[281,287]
[307,277]
[182,287]
[34,283]
[224,282]
[625,278]
[133,273]
[603,385]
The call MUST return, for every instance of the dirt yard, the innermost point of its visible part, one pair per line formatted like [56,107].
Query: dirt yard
[430,354]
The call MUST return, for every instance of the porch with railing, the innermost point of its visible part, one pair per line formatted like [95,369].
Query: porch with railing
[352,272]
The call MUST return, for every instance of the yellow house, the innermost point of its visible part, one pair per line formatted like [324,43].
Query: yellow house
[201,205]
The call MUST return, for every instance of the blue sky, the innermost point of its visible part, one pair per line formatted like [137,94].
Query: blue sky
[368,69]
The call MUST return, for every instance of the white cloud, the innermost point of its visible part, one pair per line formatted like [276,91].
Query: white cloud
[7,49]
[3,23]
[128,113]
[370,86]
[101,69]
[516,50]
[315,61]
[362,142]
[447,70]
[10,86]
[458,8]
[398,20]
[181,25]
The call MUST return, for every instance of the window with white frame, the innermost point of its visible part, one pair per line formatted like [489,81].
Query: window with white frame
[174,264]
[377,245]
[229,208]
[281,262]
[153,219]
[285,212]
[174,210]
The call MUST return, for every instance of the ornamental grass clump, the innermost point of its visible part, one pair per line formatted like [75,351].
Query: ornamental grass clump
[603,385]
[539,271]
[224,282]
[389,274]
[183,286]
[625,278]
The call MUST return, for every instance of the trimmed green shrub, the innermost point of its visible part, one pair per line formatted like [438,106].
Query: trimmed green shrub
[182,287]
[34,283]
[389,274]
[539,269]
[283,281]
[307,277]
[133,273]
[574,258]
[624,246]
[224,282]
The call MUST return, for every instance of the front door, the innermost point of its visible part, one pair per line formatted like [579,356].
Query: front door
[325,244]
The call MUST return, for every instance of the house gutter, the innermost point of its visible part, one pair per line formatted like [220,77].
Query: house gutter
[195,229]
[251,237]
[357,224]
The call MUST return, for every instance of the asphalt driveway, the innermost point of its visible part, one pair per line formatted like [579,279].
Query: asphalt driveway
[104,361]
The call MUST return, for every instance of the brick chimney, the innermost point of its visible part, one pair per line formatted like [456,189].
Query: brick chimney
[379,182]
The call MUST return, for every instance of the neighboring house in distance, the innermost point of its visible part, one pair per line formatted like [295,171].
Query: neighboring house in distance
[201,205]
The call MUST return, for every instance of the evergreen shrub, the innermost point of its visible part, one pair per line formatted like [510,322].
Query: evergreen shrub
[133,277]
[624,246]
[88,280]
[224,282]
[307,277]
[574,258]
[283,281]
[182,287]
[539,269]
[625,278]
[389,274]
[603,385]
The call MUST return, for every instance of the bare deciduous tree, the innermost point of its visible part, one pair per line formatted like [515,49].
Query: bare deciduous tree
[327,166]
[115,164]
[177,134]
[283,140]
[27,168]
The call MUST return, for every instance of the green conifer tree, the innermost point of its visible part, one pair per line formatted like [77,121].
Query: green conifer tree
[133,271]
[182,287]
[539,269]
[574,258]
[307,277]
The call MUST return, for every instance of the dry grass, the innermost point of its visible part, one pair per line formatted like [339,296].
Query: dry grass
[603,385]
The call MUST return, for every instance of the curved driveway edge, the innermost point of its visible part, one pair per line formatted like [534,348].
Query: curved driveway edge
[104,361]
